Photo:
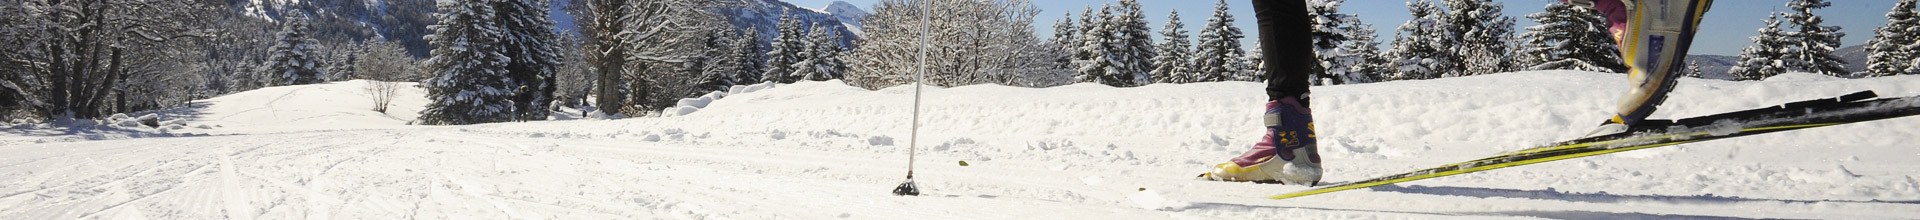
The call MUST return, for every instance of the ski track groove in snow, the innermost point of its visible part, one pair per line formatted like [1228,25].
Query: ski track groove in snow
[122,204]
[745,161]
[237,205]
[118,184]
[682,154]
[471,187]
[268,106]
[107,187]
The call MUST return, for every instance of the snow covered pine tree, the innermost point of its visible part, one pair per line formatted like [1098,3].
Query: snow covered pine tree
[1171,65]
[1333,36]
[1480,32]
[532,51]
[1135,45]
[1888,52]
[295,60]
[1219,55]
[1420,48]
[786,51]
[1815,42]
[1767,56]
[470,83]
[1065,39]
[1571,38]
[1362,59]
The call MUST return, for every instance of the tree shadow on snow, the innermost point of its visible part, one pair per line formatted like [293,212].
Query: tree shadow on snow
[1562,214]
[100,130]
[1568,214]
[1232,206]
[194,111]
[1598,197]
[1546,194]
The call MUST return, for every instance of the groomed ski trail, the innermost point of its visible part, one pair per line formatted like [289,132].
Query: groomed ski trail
[827,151]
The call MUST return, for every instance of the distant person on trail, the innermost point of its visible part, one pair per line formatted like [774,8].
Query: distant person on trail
[1653,41]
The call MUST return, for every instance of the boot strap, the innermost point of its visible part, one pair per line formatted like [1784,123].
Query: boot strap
[1273,120]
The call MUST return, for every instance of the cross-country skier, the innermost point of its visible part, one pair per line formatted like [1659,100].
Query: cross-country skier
[1653,38]
[1288,153]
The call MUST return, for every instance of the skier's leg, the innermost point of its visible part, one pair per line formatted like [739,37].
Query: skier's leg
[1287,153]
[1653,37]
[1287,48]
[1289,60]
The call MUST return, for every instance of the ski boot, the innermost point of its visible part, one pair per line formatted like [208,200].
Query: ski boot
[1653,37]
[1287,155]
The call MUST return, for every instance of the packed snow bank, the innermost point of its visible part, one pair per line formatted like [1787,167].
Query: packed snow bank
[816,150]
[297,108]
[117,126]
[690,105]
[1159,135]
[1509,109]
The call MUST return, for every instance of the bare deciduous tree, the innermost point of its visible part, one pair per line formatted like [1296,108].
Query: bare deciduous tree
[384,65]
[970,42]
[631,42]
[73,56]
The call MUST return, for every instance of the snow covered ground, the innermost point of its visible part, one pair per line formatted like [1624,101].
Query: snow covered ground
[823,150]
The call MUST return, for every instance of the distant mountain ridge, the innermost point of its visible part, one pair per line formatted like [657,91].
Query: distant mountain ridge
[1855,56]
[1717,66]
[848,14]
[339,21]
[763,17]
[1714,66]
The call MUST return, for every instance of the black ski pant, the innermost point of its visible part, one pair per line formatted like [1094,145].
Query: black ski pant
[1287,44]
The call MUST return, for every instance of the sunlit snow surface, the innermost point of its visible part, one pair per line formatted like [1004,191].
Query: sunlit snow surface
[824,150]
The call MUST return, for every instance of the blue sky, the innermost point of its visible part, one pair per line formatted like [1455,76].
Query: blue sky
[1724,31]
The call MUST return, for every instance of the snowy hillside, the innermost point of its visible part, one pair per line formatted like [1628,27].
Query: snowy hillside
[824,150]
[764,16]
[330,106]
[341,105]
[847,13]
[1716,66]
